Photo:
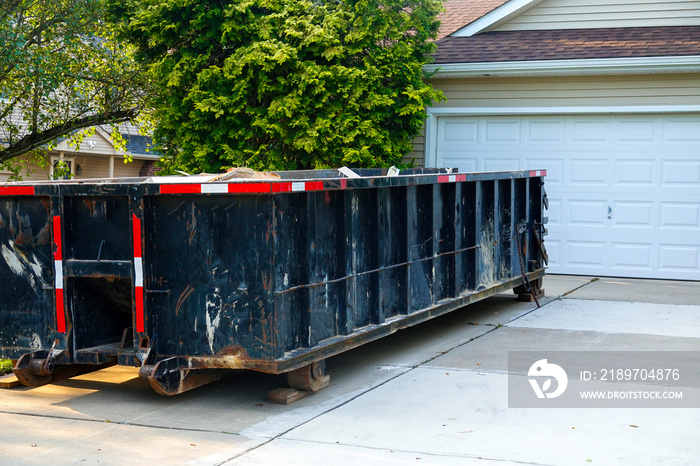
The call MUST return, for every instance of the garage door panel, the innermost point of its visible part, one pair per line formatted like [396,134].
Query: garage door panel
[632,214]
[587,254]
[460,131]
[680,173]
[587,172]
[638,131]
[639,172]
[682,130]
[498,131]
[679,258]
[627,256]
[546,131]
[586,213]
[680,216]
[624,190]
[592,130]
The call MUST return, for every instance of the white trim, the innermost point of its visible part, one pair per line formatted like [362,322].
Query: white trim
[431,122]
[579,67]
[496,17]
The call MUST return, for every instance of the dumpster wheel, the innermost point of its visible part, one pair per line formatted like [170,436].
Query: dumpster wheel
[309,378]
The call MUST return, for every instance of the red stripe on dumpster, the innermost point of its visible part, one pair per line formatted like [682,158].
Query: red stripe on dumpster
[137,236]
[58,273]
[538,173]
[138,275]
[249,187]
[188,188]
[281,187]
[17,190]
[60,312]
[58,253]
[313,185]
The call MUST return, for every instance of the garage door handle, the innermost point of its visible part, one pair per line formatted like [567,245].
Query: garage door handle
[609,212]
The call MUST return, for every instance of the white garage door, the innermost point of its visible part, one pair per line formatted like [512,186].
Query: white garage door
[624,190]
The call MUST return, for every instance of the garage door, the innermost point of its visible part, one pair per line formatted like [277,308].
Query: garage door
[624,190]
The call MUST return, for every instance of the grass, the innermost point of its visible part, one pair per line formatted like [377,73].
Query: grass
[5,366]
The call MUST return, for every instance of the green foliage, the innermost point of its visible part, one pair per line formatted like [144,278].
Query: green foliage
[284,84]
[5,366]
[61,70]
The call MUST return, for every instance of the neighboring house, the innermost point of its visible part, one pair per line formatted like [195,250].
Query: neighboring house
[98,158]
[603,95]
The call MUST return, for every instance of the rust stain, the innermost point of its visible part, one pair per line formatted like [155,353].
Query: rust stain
[90,204]
[183,296]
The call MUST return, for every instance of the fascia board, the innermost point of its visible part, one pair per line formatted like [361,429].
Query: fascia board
[496,17]
[579,67]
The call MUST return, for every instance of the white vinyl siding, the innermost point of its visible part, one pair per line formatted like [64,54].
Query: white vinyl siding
[417,155]
[126,170]
[603,91]
[587,14]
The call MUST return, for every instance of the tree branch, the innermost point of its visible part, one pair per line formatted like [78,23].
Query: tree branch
[36,140]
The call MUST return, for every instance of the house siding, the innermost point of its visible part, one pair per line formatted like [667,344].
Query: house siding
[600,91]
[417,155]
[126,170]
[586,14]
[90,166]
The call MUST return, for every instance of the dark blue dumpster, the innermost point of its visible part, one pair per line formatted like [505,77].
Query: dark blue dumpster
[189,277]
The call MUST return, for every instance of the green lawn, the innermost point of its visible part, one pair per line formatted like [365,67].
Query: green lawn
[5,366]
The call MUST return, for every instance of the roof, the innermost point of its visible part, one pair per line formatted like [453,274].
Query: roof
[570,44]
[459,13]
[137,144]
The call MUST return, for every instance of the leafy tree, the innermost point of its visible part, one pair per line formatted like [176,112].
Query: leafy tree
[61,71]
[284,84]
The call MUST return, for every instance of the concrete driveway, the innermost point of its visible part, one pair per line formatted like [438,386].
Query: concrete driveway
[433,394]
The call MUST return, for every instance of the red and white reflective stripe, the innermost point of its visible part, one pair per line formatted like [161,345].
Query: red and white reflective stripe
[138,275]
[451,178]
[243,188]
[297,186]
[58,272]
[538,173]
[16,190]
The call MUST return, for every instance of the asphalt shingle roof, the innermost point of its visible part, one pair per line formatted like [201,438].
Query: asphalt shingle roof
[459,13]
[565,44]
[137,144]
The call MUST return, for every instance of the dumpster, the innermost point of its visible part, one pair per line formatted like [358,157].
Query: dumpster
[191,277]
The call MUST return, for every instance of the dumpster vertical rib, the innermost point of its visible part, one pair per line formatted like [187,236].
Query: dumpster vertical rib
[138,275]
[58,270]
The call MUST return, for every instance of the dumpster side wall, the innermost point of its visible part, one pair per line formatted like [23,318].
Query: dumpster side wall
[208,275]
[26,275]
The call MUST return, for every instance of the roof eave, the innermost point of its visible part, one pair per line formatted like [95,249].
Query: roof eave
[577,67]
[496,17]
